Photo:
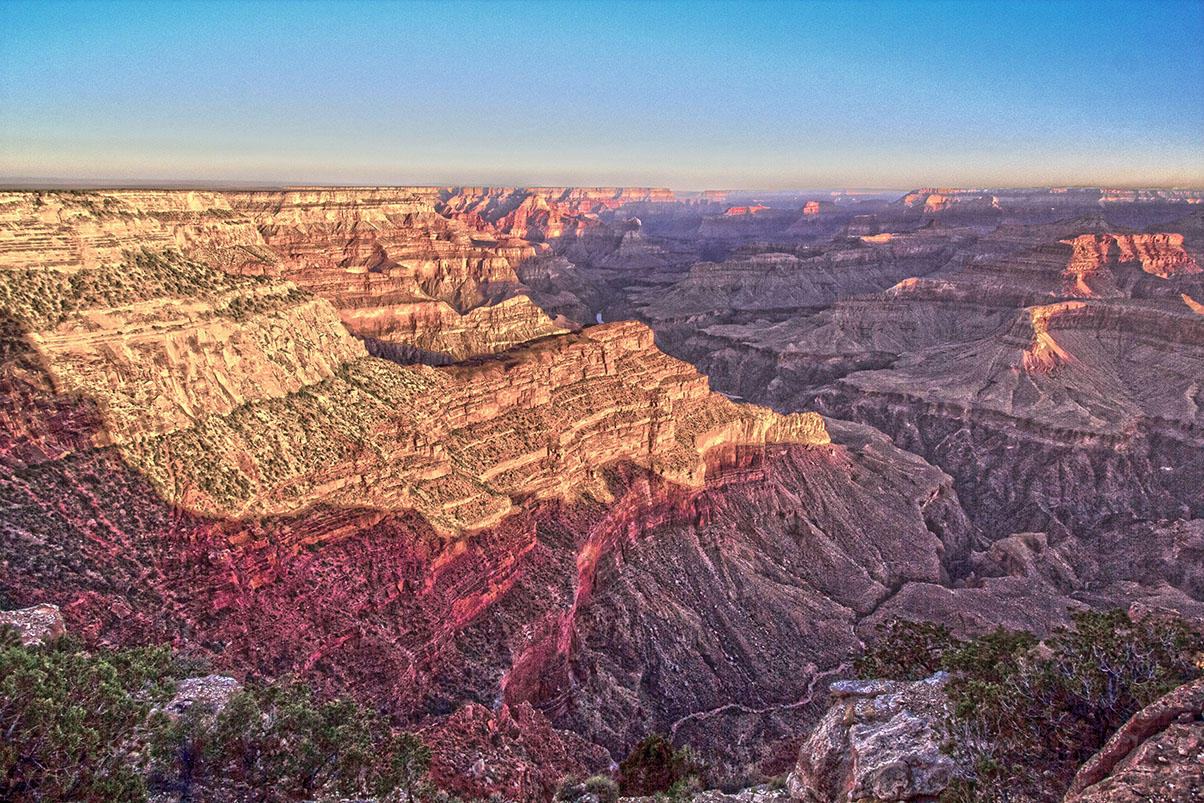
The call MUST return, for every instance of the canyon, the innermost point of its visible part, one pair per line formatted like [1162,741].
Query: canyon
[382,439]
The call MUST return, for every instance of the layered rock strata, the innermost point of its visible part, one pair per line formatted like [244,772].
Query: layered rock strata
[461,444]
[203,453]
[1053,371]
[396,270]
[1156,755]
[560,530]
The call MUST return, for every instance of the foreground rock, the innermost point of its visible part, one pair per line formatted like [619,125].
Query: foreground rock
[37,624]
[1158,755]
[756,794]
[880,741]
[210,693]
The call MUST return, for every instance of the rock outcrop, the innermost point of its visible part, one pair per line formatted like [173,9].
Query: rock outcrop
[36,624]
[765,282]
[398,271]
[760,794]
[395,269]
[1158,755]
[879,743]
[461,444]
[208,695]
[198,449]
[511,752]
[541,214]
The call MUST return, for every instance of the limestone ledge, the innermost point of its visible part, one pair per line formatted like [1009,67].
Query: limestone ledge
[464,444]
[434,328]
[161,365]
[68,231]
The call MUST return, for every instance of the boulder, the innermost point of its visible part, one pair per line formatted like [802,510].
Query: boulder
[37,624]
[754,794]
[211,692]
[880,741]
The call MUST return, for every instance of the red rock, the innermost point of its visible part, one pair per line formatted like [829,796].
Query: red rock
[1155,756]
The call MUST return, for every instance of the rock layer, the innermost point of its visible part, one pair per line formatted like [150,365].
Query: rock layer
[1155,756]
[545,529]
[201,452]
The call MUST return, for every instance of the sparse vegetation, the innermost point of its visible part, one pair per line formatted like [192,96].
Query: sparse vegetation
[275,742]
[1025,715]
[41,298]
[603,788]
[85,725]
[654,766]
[595,789]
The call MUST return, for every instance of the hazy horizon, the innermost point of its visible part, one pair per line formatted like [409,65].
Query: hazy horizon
[766,96]
[49,183]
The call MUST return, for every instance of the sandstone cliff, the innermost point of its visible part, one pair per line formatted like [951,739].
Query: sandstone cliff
[198,449]
[398,271]
[395,270]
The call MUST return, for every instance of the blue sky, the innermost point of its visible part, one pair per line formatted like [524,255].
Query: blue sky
[688,95]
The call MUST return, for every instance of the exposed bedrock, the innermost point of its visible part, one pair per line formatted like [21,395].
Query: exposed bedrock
[547,528]
[765,282]
[1058,383]
[1156,755]
[1079,412]
[722,612]
[880,742]
[383,257]
[653,608]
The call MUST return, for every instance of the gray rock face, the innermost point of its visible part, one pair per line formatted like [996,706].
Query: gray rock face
[754,794]
[211,692]
[37,624]
[879,742]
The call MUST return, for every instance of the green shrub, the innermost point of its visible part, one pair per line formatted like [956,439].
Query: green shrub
[1024,715]
[72,719]
[570,788]
[905,650]
[277,742]
[10,636]
[603,788]
[654,766]
[84,725]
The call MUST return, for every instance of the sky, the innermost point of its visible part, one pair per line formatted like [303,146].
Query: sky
[689,95]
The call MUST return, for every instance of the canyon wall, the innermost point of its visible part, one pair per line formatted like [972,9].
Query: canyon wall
[200,448]
[332,432]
